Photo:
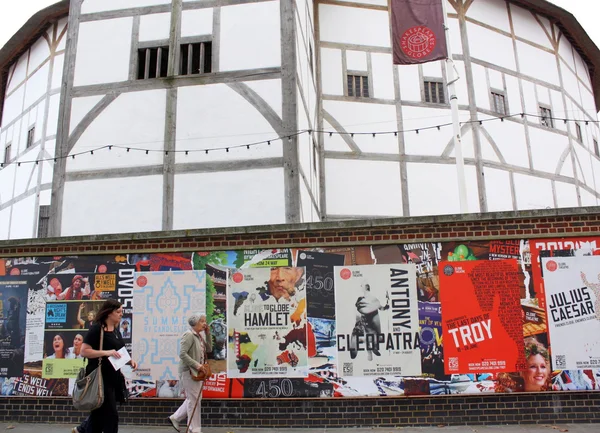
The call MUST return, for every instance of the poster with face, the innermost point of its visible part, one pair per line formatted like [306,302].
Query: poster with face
[267,323]
[377,316]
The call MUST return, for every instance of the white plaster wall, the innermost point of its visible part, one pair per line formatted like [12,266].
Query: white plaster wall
[91,6]
[53,111]
[59,64]
[513,95]
[499,195]
[62,23]
[480,41]
[546,149]
[103,51]
[250,43]
[584,163]
[332,79]
[197,22]
[270,92]
[38,54]
[354,26]
[537,63]
[410,85]
[80,107]
[565,50]
[363,188]
[215,116]
[383,76]
[533,192]
[18,72]
[4,222]
[481,87]
[427,142]
[37,85]
[155,26]
[588,199]
[23,214]
[226,199]
[527,27]
[112,206]
[432,189]
[490,12]
[455,38]
[7,181]
[570,82]
[13,105]
[566,194]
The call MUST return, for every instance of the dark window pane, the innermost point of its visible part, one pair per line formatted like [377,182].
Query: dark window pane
[350,85]
[153,59]
[164,62]
[141,63]
[365,87]
[207,57]
[183,59]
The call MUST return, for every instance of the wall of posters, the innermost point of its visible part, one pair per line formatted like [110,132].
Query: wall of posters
[481,323]
[13,309]
[377,318]
[163,302]
[267,323]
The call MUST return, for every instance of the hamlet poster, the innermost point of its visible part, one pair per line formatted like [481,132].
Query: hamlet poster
[267,323]
[481,316]
[573,303]
[377,315]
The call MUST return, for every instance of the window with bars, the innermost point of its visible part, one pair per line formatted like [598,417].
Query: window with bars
[30,137]
[358,85]
[596,150]
[43,221]
[546,117]
[434,92]
[7,149]
[195,58]
[153,62]
[499,103]
[578,132]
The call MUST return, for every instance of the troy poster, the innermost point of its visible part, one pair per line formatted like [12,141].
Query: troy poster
[481,324]
[162,304]
[267,323]
[573,306]
[377,317]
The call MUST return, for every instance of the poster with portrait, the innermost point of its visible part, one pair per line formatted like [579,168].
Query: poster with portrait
[319,281]
[482,325]
[573,305]
[377,315]
[13,311]
[267,323]
[66,324]
[432,348]
[162,304]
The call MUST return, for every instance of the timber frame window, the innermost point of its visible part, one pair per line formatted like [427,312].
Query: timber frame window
[7,150]
[43,221]
[546,117]
[433,92]
[499,102]
[195,58]
[578,132]
[152,62]
[30,137]
[358,85]
[596,149]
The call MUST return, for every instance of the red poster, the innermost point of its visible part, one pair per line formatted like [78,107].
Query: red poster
[482,321]
[219,386]
[566,246]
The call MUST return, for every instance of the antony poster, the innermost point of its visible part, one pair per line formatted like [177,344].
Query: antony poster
[162,303]
[13,310]
[267,323]
[573,306]
[481,316]
[377,315]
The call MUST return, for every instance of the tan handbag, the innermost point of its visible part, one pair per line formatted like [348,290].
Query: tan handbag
[204,371]
[88,391]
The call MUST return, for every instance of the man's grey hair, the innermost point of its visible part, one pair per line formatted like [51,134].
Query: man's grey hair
[195,318]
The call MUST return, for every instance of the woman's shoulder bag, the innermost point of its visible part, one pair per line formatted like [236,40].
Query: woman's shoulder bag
[204,372]
[88,391]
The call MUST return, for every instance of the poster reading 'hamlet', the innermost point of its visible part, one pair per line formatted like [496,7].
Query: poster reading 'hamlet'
[481,316]
[573,306]
[267,324]
[162,304]
[377,315]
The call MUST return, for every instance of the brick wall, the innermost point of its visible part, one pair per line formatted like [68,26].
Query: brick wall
[540,408]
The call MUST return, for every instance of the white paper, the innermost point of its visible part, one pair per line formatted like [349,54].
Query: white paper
[117,363]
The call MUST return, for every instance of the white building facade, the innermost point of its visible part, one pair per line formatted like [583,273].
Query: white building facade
[144,115]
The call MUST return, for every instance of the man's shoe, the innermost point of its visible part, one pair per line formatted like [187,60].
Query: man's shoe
[173,421]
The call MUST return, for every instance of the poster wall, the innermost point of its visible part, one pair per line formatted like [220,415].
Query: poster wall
[377,316]
[267,323]
[163,302]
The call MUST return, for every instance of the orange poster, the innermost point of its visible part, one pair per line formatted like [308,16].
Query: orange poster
[481,316]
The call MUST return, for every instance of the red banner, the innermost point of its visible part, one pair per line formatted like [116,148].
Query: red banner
[418,31]
[481,317]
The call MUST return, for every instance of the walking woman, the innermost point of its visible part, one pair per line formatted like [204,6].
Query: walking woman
[195,343]
[105,419]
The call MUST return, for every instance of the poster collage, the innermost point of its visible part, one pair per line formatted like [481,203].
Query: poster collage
[385,320]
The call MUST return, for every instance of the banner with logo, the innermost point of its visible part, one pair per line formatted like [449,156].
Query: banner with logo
[482,325]
[377,315]
[573,306]
[267,323]
[162,304]
[418,31]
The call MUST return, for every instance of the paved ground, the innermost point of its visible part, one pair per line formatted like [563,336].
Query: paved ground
[542,428]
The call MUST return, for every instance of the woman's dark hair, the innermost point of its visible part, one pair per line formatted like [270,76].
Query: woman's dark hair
[108,307]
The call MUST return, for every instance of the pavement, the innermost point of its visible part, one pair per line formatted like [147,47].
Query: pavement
[511,428]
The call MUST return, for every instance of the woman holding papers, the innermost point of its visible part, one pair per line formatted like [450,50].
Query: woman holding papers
[105,419]
[195,343]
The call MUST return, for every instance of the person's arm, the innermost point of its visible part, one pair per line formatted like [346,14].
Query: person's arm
[187,340]
[63,295]
[79,319]
[88,352]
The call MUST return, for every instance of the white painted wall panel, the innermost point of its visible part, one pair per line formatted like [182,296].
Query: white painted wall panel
[566,194]
[19,73]
[410,86]
[23,212]
[587,101]
[363,188]
[4,222]
[588,199]
[528,28]
[455,39]
[558,110]
[510,140]
[481,87]
[582,70]
[427,142]
[250,197]
[332,79]
[57,73]
[356,60]
[537,63]
[80,107]
[53,110]
[250,43]
[26,176]
[103,59]
[62,23]
[154,27]
[39,53]
[383,76]
[513,95]
[584,163]
[571,84]
[480,41]
[93,207]
[543,94]
[495,78]
[7,180]
[565,50]
[530,99]
[335,142]
[13,106]
[270,91]
[354,26]
[197,22]
[499,195]
[546,149]
[429,196]
[491,12]
[37,85]
[432,69]
[91,6]
[533,192]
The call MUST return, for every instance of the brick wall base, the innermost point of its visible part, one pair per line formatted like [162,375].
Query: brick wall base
[563,407]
